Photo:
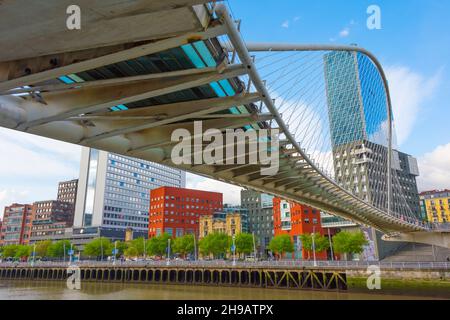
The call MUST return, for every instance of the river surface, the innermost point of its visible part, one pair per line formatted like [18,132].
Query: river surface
[46,290]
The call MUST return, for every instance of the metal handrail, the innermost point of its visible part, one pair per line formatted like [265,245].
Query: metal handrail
[240,264]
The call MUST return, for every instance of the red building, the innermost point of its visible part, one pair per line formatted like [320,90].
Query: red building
[295,219]
[16,227]
[177,211]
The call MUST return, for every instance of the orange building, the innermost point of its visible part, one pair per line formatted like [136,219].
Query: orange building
[177,211]
[295,219]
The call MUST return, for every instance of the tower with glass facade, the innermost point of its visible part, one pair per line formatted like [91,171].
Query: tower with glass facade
[358,121]
[358,117]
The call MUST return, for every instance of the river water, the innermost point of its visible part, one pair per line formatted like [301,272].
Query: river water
[46,290]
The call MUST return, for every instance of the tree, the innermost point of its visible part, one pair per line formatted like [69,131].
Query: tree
[321,243]
[59,249]
[23,251]
[349,243]
[131,252]
[10,250]
[157,246]
[121,247]
[244,243]
[138,244]
[281,244]
[98,247]
[184,245]
[216,244]
[42,248]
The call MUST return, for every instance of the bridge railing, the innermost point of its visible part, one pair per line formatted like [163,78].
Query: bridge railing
[243,264]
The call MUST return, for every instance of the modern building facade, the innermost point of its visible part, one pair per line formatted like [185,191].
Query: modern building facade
[260,218]
[16,226]
[67,191]
[220,222]
[50,218]
[295,219]
[435,204]
[177,211]
[358,120]
[114,191]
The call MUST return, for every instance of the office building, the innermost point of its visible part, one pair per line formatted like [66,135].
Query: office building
[50,218]
[67,191]
[358,118]
[16,225]
[177,211]
[260,218]
[295,219]
[435,205]
[114,191]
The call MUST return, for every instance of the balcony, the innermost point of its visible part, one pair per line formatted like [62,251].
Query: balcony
[362,150]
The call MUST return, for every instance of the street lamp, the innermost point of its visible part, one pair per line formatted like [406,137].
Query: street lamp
[115,253]
[331,245]
[195,247]
[254,245]
[234,250]
[168,252]
[314,246]
[145,250]
[34,254]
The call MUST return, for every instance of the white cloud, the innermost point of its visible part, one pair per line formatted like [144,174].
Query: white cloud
[296,19]
[285,24]
[31,167]
[344,33]
[435,169]
[409,90]
[231,193]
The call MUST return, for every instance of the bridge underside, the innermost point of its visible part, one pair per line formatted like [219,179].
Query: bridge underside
[136,72]
[439,239]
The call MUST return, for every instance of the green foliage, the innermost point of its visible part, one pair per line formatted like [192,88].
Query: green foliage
[184,245]
[97,246]
[10,251]
[321,243]
[244,243]
[138,244]
[42,248]
[23,251]
[121,247]
[216,244]
[131,252]
[281,244]
[157,246]
[59,248]
[349,242]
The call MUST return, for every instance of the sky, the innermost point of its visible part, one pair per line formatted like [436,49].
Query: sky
[413,46]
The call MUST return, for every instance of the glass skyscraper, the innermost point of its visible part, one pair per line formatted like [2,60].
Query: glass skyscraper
[114,190]
[358,116]
[358,119]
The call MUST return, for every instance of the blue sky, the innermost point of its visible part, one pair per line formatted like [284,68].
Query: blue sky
[413,46]
[415,35]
